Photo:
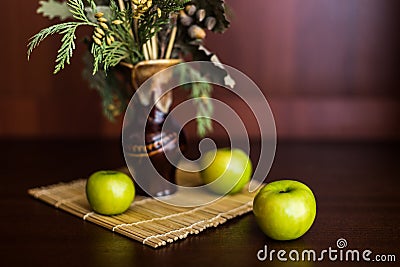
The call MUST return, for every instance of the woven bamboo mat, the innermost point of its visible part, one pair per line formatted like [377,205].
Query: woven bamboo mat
[148,221]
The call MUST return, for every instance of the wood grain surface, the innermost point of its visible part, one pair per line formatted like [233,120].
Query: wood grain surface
[356,186]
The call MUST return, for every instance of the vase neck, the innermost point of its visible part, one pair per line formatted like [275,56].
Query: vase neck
[156,116]
[149,115]
[155,121]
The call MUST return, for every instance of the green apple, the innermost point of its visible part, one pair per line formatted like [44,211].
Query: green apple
[226,171]
[110,192]
[285,209]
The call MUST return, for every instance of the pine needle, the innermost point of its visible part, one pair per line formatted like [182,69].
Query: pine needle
[67,29]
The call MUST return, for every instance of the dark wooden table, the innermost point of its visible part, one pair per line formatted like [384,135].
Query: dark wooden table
[357,188]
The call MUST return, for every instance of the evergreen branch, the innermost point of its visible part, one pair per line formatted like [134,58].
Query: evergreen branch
[109,88]
[151,23]
[123,31]
[93,5]
[68,45]
[77,9]
[114,41]
[97,57]
[114,8]
[67,29]
[201,95]
[114,53]
[124,48]
[108,56]
[43,34]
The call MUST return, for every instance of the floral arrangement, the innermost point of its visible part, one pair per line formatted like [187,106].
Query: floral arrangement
[125,32]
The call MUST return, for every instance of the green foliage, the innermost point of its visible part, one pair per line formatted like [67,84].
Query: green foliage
[151,23]
[97,57]
[110,55]
[201,95]
[67,29]
[68,45]
[92,5]
[124,48]
[77,8]
[108,86]
[119,36]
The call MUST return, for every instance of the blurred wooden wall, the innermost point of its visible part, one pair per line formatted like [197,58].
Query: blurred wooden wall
[329,68]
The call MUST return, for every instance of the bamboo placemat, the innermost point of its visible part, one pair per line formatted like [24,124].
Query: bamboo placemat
[148,220]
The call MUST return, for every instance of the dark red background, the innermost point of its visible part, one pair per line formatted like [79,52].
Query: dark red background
[329,69]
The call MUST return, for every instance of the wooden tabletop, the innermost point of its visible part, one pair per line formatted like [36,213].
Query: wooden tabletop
[357,188]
